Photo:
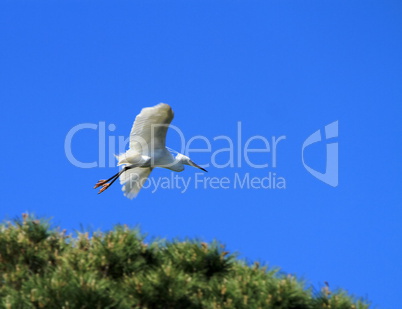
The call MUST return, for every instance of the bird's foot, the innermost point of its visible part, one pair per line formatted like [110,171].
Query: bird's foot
[104,187]
[100,183]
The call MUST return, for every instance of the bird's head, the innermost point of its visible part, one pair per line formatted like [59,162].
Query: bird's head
[187,161]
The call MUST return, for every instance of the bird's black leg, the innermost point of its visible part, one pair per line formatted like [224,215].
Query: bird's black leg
[105,184]
[103,181]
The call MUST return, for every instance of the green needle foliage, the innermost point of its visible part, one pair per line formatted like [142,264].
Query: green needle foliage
[44,268]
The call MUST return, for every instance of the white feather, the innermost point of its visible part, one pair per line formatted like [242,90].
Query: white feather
[133,180]
[149,129]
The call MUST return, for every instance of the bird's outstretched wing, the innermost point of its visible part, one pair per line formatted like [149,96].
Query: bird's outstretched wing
[149,129]
[133,180]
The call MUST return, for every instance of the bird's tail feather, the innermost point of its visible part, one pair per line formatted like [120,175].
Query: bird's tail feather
[121,159]
[133,180]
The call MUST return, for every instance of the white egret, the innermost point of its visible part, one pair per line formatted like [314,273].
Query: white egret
[147,150]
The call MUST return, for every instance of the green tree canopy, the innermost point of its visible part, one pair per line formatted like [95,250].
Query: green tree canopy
[41,267]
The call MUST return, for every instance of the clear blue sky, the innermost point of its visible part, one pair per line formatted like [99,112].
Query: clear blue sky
[282,68]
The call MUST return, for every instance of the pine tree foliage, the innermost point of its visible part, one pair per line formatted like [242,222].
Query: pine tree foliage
[42,267]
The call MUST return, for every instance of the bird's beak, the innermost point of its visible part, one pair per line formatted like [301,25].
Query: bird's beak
[197,166]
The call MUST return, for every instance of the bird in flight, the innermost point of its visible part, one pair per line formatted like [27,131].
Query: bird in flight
[147,150]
